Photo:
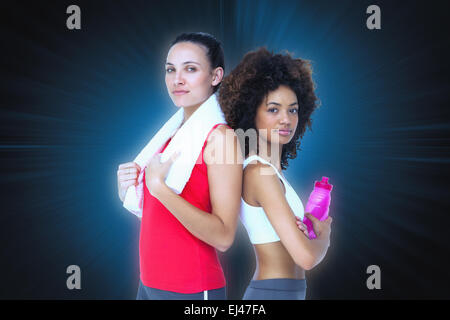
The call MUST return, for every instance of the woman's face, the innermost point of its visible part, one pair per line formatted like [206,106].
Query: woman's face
[278,114]
[189,78]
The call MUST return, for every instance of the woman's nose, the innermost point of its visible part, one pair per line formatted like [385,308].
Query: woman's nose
[178,79]
[284,118]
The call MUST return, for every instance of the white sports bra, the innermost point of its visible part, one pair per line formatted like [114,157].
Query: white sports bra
[255,220]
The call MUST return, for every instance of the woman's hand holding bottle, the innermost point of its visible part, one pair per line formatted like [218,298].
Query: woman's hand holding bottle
[322,229]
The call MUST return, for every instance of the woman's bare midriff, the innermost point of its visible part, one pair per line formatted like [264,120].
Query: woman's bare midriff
[273,261]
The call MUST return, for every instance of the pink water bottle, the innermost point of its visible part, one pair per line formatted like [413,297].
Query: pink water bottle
[318,204]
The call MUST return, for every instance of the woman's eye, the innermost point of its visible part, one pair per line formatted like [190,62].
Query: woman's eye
[191,69]
[294,111]
[273,110]
[169,70]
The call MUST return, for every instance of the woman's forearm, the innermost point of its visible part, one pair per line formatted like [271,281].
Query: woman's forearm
[203,225]
[308,253]
[318,248]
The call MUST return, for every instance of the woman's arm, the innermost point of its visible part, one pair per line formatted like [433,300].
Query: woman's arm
[225,185]
[267,191]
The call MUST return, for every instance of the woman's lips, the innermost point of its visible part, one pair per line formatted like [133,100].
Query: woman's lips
[179,92]
[284,132]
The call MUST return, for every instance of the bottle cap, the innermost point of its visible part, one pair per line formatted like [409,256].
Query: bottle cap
[324,184]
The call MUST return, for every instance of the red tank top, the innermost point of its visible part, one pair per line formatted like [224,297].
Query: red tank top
[171,258]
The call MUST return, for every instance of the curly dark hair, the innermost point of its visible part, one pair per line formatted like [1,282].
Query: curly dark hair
[259,73]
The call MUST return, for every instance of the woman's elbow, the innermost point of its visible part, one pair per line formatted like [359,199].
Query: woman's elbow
[222,248]
[306,262]
[226,243]
[306,265]
[311,257]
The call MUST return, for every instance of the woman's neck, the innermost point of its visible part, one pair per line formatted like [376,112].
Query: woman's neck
[189,111]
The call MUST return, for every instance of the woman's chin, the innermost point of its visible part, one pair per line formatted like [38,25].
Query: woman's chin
[182,103]
[281,140]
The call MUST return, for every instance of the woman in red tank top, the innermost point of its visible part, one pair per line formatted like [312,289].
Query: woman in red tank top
[180,232]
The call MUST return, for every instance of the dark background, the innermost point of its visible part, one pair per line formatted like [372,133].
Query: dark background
[76,104]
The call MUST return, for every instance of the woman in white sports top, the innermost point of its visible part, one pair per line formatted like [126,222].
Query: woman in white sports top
[273,97]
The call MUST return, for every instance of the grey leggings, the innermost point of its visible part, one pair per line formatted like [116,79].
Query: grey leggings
[276,289]
[147,293]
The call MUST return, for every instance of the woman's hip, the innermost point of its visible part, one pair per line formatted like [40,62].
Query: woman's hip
[276,289]
[148,293]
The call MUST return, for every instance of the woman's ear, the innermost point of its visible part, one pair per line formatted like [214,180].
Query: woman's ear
[217,76]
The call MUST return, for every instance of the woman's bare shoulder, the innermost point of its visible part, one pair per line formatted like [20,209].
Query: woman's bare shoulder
[261,179]
[220,132]
[223,147]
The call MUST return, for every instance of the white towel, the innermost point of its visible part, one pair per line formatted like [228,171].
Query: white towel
[189,140]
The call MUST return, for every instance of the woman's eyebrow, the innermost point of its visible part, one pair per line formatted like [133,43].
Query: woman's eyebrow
[277,104]
[187,62]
